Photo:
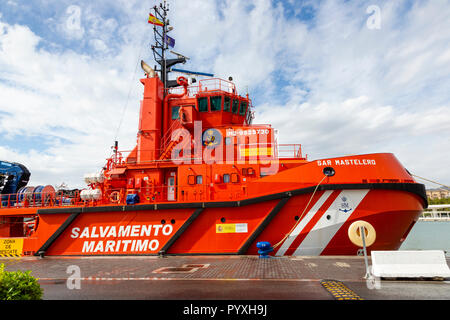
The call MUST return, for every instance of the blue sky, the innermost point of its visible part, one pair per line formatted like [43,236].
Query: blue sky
[318,71]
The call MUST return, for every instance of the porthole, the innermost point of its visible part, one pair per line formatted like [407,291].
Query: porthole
[172,221]
[163,221]
[222,220]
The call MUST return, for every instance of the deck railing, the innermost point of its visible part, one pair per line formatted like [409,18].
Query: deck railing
[207,85]
[436,212]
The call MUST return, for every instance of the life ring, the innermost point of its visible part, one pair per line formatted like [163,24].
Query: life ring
[114,197]
[182,81]
[354,233]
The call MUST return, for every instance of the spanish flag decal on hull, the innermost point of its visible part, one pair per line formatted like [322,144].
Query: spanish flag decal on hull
[255,151]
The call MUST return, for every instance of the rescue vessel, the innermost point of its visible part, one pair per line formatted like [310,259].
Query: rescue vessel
[204,179]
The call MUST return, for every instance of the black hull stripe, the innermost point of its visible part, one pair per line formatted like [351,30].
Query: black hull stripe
[263,225]
[56,234]
[415,188]
[180,231]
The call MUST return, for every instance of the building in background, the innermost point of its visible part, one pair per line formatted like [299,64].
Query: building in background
[440,193]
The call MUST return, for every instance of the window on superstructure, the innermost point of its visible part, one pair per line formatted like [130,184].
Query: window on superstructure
[228,140]
[226,103]
[235,106]
[203,104]
[216,103]
[226,178]
[175,113]
[199,179]
[243,108]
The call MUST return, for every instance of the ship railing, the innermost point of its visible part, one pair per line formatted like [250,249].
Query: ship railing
[436,213]
[37,199]
[122,158]
[258,151]
[290,151]
[149,194]
[207,85]
[223,191]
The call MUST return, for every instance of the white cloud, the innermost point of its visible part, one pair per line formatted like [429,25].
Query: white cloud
[67,95]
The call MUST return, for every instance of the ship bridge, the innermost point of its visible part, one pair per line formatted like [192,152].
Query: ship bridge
[214,101]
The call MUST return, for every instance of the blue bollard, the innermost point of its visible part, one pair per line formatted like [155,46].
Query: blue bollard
[264,249]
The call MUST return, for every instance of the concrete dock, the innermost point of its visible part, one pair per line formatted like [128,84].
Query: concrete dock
[219,278]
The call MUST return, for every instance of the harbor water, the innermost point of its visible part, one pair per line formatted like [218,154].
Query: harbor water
[429,235]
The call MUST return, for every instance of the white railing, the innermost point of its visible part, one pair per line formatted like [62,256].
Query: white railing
[436,212]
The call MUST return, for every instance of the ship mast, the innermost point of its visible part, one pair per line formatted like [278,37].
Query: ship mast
[161,46]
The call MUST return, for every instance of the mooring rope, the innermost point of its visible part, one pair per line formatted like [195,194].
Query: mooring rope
[431,181]
[301,216]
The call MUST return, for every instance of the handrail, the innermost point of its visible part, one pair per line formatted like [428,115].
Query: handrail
[149,194]
[207,85]
[280,151]
[436,212]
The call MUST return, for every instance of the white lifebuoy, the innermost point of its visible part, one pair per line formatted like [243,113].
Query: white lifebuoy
[354,233]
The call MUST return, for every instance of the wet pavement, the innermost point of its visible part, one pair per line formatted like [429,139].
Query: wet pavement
[218,278]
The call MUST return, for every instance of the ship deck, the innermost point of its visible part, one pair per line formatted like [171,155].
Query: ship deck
[219,278]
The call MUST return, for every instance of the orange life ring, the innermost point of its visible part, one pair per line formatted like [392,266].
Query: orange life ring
[114,197]
[182,81]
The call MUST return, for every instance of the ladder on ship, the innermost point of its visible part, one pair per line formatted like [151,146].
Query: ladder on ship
[170,141]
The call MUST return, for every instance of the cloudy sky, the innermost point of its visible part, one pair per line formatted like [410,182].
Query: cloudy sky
[339,77]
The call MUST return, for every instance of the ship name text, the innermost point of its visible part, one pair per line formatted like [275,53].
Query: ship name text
[347,162]
[102,245]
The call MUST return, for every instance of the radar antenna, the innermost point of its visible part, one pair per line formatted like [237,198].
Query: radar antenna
[161,45]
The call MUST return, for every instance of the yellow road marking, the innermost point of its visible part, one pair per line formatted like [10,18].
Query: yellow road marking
[339,290]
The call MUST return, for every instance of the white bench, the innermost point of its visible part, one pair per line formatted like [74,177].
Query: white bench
[410,264]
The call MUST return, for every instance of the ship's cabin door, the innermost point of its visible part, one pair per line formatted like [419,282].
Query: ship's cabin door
[170,182]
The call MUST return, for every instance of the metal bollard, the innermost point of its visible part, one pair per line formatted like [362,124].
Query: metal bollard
[366,261]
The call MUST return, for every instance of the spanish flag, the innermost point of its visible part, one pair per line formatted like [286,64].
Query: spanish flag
[153,20]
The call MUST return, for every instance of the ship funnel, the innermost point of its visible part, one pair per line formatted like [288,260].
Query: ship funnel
[148,70]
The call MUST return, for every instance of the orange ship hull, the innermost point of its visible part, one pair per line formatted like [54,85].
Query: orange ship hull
[299,216]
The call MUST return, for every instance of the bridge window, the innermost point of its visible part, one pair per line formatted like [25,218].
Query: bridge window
[226,103]
[216,103]
[235,106]
[203,104]
[243,108]
[175,113]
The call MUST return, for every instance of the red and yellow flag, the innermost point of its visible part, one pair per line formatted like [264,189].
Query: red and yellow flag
[153,20]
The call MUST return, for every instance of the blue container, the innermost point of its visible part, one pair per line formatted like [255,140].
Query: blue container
[264,249]
[132,198]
